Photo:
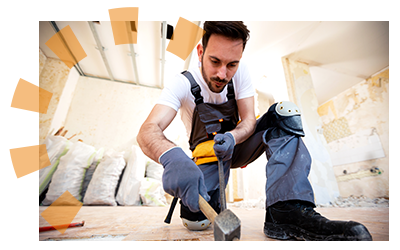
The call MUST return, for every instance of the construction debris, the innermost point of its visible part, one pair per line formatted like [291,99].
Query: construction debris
[59,131]
[351,201]
[251,203]
[357,201]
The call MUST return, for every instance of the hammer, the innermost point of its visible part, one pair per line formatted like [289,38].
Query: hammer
[226,224]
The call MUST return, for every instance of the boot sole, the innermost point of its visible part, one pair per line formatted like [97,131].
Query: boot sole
[291,232]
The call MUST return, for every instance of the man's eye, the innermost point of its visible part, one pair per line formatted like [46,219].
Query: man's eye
[214,61]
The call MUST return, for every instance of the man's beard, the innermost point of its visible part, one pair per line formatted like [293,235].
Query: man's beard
[208,80]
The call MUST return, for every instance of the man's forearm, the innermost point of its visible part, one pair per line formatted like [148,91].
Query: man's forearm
[244,130]
[152,141]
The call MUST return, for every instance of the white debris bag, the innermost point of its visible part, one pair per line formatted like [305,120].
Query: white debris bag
[128,191]
[154,170]
[56,146]
[101,189]
[70,172]
[90,170]
[152,193]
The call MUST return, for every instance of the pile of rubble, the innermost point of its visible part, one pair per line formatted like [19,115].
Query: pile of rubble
[351,201]
[249,204]
[357,201]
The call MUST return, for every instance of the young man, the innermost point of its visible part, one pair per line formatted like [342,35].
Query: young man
[216,101]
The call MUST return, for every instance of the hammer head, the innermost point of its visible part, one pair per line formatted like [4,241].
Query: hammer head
[226,226]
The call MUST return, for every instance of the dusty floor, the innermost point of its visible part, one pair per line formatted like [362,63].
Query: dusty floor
[147,224]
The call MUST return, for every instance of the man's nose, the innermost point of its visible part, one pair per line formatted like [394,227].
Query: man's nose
[222,72]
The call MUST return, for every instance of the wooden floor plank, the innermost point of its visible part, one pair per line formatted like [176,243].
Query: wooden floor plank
[138,223]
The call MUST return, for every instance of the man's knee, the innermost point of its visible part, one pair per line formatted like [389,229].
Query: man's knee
[282,119]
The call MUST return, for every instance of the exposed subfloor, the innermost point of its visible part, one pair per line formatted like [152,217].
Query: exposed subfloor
[147,224]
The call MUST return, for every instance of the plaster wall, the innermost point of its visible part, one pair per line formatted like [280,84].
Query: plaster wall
[109,114]
[53,77]
[353,117]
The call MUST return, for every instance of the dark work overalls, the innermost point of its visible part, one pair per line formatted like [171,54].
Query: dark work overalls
[288,164]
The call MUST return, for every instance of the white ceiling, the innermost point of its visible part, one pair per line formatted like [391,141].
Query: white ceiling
[340,54]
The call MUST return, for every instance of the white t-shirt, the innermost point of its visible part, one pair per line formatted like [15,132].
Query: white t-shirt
[177,95]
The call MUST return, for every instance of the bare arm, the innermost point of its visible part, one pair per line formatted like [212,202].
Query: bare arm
[151,138]
[248,120]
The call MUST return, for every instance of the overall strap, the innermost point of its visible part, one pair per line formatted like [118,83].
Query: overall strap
[194,87]
[231,91]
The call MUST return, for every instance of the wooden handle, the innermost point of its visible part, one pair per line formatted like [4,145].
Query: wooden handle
[207,210]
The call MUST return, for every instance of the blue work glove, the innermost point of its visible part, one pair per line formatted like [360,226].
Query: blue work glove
[224,145]
[182,178]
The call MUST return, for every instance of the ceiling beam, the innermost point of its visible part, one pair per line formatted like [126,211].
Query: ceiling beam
[163,42]
[56,29]
[140,85]
[100,48]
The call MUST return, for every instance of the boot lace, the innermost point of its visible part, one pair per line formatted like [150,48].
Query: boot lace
[309,211]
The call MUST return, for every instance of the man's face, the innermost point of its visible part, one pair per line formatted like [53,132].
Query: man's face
[220,61]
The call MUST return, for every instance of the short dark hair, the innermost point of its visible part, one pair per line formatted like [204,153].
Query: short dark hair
[230,29]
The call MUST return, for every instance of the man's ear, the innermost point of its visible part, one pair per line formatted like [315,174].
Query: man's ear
[199,51]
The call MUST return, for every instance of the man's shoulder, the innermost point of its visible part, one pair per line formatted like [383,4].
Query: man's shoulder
[242,69]
[242,81]
[178,81]
[175,92]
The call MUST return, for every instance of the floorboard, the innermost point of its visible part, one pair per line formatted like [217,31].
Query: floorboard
[147,224]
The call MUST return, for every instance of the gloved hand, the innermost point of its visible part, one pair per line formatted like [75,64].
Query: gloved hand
[224,145]
[182,178]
